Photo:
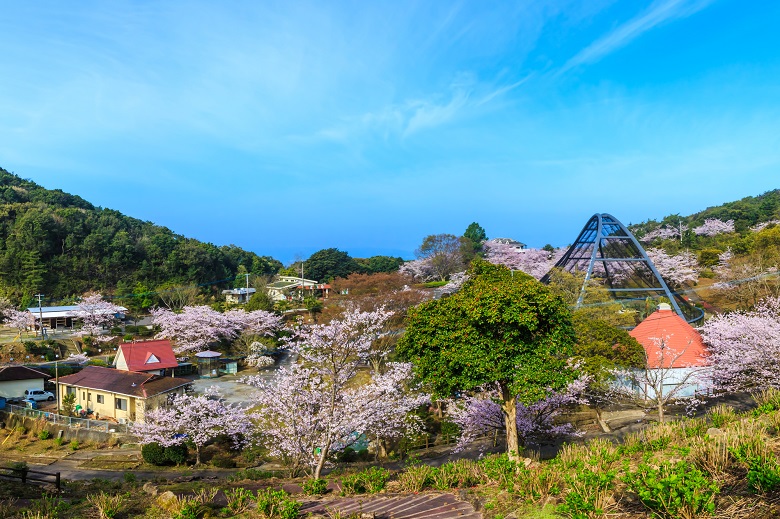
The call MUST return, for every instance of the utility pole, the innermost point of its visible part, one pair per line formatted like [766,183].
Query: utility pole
[40,313]
[246,296]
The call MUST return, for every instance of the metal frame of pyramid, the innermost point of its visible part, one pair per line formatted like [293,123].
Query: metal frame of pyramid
[606,250]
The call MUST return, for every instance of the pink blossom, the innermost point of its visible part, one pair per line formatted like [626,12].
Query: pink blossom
[95,314]
[677,269]
[314,407]
[19,320]
[713,227]
[663,233]
[422,270]
[535,262]
[198,419]
[761,226]
[745,347]
[198,326]
[536,423]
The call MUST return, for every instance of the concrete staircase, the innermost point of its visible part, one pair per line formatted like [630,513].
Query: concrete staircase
[389,506]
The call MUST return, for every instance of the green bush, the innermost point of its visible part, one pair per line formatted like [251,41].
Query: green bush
[500,469]
[177,454]
[238,500]
[369,481]
[44,435]
[251,474]
[763,468]
[673,490]
[415,478]
[223,461]
[277,503]
[589,492]
[154,454]
[74,445]
[315,487]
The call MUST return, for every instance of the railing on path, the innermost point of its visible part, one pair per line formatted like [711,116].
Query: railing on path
[26,474]
[69,421]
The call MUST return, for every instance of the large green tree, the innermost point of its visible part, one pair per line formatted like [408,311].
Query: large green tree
[500,328]
[328,264]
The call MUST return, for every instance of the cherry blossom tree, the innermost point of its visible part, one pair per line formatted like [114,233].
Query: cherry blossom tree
[197,419]
[744,347]
[664,233]
[763,225]
[79,358]
[713,227]
[664,379]
[420,269]
[747,279]
[95,315]
[315,407]
[677,269]
[198,326]
[482,414]
[535,262]
[19,320]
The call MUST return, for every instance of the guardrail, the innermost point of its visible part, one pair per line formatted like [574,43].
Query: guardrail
[26,474]
[70,421]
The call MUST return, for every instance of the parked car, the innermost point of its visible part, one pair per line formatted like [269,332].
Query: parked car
[38,395]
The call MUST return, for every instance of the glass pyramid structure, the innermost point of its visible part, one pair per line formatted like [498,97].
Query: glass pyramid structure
[611,257]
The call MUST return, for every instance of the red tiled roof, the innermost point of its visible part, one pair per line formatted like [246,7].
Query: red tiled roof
[142,385]
[665,335]
[9,373]
[137,355]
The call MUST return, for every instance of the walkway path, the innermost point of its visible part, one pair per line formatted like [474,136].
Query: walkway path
[398,506]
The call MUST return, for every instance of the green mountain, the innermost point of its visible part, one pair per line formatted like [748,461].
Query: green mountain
[61,245]
[746,214]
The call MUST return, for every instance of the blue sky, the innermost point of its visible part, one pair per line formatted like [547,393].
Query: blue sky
[288,127]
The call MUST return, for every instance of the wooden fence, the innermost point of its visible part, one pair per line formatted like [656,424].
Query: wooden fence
[26,475]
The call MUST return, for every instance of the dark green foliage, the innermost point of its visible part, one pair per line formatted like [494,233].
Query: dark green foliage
[44,435]
[604,347]
[176,454]
[376,264]
[673,489]
[154,454]
[369,481]
[315,487]
[497,328]
[223,461]
[328,264]
[260,300]
[62,245]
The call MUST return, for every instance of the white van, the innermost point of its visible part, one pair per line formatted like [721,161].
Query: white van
[38,395]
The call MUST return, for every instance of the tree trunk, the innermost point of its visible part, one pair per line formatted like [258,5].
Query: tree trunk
[323,455]
[661,411]
[510,422]
[197,454]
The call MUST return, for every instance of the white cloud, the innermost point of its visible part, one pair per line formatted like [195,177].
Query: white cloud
[659,12]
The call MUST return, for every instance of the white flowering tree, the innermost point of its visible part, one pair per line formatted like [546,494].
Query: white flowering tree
[714,227]
[21,321]
[744,347]
[677,269]
[95,314]
[195,419]
[195,327]
[315,407]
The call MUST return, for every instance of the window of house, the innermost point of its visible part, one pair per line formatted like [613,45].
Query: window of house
[100,399]
[89,397]
[121,404]
[83,395]
[70,391]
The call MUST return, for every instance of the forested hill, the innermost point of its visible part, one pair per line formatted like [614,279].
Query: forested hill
[61,245]
[746,214]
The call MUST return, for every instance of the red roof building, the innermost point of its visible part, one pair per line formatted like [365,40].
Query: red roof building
[146,357]
[668,338]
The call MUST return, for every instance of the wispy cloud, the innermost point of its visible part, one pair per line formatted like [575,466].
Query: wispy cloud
[659,12]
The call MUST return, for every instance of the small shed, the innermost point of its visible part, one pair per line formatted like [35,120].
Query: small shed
[208,363]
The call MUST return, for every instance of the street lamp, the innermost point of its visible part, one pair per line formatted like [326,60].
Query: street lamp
[57,380]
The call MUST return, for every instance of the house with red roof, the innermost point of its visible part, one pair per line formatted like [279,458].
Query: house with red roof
[153,357]
[675,351]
